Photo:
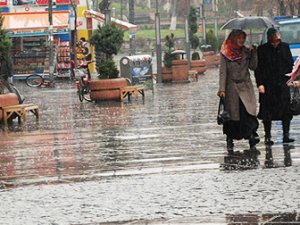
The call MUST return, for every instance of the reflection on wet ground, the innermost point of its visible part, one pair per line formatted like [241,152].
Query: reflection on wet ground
[156,161]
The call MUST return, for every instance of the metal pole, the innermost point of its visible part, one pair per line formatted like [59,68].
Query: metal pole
[131,20]
[187,37]
[51,52]
[215,8]
[187,41]
[121,9]
[158,44]
[107,14]
[203,24]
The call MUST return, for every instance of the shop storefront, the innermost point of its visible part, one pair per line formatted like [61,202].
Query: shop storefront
[30,35]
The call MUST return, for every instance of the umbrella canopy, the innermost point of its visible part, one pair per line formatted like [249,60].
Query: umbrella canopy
[250,22]
[179,52]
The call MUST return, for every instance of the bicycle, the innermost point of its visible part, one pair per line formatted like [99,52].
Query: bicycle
[83,74]
[37,80]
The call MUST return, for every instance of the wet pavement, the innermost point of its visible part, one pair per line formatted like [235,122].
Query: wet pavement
[157,161]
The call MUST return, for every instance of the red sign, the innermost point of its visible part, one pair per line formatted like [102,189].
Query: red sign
[3,3]
[42,2]
[63,2]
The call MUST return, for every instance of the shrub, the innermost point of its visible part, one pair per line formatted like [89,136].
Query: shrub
[108,70]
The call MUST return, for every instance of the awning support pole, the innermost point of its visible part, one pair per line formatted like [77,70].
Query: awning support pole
[51,58]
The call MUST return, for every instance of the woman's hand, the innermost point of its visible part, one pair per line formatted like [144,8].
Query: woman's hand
[261,89]
[252,48]
[296,84]
[221,93]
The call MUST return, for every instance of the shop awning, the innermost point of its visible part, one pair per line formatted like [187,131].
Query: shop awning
[101,18]
[35,21]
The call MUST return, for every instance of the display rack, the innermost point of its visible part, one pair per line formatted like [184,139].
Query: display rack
[63,59]
[30,55]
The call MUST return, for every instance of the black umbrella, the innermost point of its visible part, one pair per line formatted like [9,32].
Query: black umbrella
[250,22]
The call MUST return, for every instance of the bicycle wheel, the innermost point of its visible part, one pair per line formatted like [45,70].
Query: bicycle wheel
[34,80]
[80,92]
[86,91]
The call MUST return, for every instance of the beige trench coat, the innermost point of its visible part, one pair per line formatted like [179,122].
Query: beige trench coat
[236,82]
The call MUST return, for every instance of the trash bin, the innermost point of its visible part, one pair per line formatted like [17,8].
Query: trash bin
[138,69]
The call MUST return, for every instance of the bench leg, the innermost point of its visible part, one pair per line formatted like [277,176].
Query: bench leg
[142,93]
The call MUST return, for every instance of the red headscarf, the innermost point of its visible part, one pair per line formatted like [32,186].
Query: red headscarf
[230,49]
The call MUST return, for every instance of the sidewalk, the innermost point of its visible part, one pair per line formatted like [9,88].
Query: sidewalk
[152,162]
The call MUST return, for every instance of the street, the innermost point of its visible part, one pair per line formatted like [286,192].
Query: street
[160,161]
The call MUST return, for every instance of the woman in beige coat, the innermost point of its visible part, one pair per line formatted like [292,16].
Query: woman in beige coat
[237,88]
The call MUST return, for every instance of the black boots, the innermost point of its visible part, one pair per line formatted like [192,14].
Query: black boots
[286,131]
[267,128]
[229,145]
[253,140]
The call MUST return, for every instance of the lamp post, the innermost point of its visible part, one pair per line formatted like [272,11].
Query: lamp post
[202,12]
[215,9]
[107,13]
[187,38]
[158,44]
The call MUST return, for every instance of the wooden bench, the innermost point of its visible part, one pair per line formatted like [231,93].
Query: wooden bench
[20,111]
[129,90]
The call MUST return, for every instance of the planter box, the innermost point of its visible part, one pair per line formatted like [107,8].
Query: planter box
[212,59]
[7,100]
[107,89]
[180,70]
[166,73]
[199,65]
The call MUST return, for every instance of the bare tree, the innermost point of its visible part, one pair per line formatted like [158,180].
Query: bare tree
[174,15]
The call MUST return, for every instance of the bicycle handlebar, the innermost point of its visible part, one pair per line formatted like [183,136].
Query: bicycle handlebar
[85,65]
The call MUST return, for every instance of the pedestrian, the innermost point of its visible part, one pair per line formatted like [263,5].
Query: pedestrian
[274,62]
[85,49]
[236,86]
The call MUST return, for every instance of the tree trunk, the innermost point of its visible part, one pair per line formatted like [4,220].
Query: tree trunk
[282,8]
[292,6]
[174,15]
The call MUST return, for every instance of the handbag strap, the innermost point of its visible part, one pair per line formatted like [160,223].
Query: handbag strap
[295,93]
[221,105]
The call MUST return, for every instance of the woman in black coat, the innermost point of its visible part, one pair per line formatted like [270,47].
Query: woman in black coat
[274,62]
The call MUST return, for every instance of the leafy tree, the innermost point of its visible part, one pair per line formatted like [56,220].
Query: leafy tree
[212,39]
[5,48]
[170,44]
[194,40]
[108,39]
[108,70]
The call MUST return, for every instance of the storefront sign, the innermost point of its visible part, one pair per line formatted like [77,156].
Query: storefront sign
[66,2]
[42,2]
[3,3]
[23,2]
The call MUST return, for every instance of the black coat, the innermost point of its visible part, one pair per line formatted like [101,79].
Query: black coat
[273,65]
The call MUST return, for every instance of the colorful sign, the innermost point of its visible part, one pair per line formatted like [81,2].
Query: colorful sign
[23,2]
[42,2]
[3,3]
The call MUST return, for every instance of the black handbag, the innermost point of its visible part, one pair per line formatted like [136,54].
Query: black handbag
[295,102]
[223,115]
